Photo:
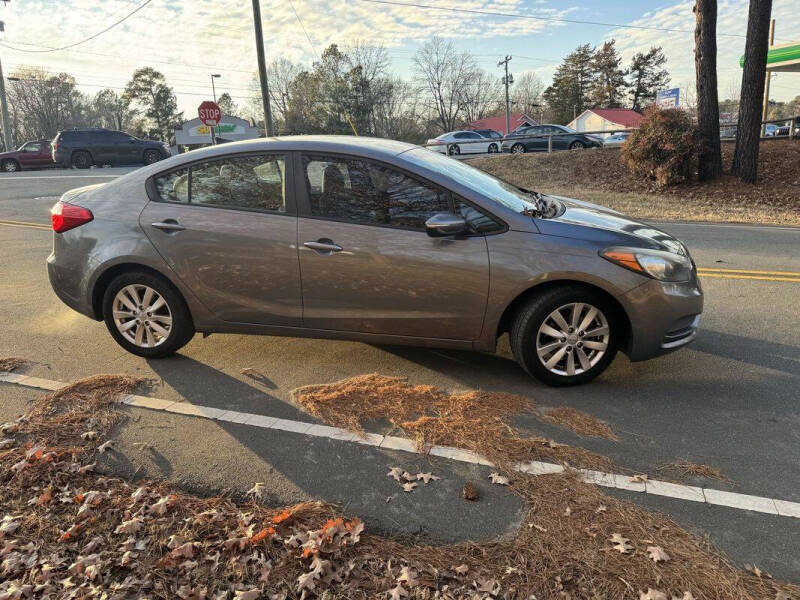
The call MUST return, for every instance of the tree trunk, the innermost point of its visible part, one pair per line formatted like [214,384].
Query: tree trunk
[745,160]
[705,62]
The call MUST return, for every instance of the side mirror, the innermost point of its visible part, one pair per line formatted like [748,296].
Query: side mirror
[445,224]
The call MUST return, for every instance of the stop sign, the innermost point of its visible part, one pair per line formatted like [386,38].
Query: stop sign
[209,113]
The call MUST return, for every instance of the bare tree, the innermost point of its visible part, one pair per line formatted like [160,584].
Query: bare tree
[705,61]
[280,73]
[479,96]
[745,159]
[442,73]
[526,95]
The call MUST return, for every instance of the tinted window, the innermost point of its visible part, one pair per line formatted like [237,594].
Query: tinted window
[461,136]
[253,182]
[33,147]
[478,221]
[359,191]
[118,136]
[173,187]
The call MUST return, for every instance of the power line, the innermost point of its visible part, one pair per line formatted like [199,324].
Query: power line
[308,37]
[91,37]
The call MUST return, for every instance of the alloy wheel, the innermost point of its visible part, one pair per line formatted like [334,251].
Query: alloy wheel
[518,149]
[142,315]
[10,166]
[572,339]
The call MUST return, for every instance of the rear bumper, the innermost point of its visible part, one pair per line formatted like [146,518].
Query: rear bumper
[66,284]
[664,317]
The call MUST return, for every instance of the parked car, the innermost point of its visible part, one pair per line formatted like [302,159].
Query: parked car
[82,148]
[489,133]
[616,139]
[564,138]
[372,240]
[31,155]
[771,130]
[463,142]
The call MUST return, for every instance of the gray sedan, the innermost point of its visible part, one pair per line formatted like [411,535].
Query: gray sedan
[371,240]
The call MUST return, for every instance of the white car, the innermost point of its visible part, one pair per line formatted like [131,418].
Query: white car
[463,142]
[616,139]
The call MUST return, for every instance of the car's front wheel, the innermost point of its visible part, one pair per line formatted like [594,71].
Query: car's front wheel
[493,148]
[576,145]
[454,149]
[566,335]
[146,315]
[10,166]
[518,149]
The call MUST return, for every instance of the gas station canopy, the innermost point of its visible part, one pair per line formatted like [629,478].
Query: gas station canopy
[782,58]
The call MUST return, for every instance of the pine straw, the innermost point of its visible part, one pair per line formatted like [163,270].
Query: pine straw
[474,420]
[11,363]
[557,553]
[580,422]
[684,468]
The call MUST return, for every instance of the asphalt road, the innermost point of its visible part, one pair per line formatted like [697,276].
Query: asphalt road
[729,400]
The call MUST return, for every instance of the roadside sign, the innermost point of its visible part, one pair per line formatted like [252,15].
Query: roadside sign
[209,113]
[668,98]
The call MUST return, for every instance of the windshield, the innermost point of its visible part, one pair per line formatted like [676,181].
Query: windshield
[498,190]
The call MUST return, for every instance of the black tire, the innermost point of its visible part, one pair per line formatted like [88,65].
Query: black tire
[493,148]
[151,156]
[577,144]
[532,315]
[182,328]
[81,159]
[518,148]
[10,166]
[453,149]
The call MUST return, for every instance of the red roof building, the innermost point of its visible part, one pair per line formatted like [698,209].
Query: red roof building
[517,120]
[606,119]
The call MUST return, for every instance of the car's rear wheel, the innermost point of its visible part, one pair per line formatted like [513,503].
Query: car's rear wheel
[454,149]
[10,166]
[81,159]
[146,315]
[577,144]
[151,156]
[518,149]
[493,148]
[566,336]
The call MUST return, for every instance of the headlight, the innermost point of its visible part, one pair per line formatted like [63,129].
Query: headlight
[664,266]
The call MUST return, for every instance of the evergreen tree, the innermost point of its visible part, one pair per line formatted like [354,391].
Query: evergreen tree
[646,76]
[150,91]
[570,93]
[609,79]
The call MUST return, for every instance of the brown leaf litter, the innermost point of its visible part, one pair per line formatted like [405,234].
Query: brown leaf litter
[66,532]
[476,420]
[580,422]
[684,468]
[11,363]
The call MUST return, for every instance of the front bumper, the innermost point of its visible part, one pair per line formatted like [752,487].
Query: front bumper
[664,317]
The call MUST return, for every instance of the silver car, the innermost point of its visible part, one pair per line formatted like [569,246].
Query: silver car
[371,240]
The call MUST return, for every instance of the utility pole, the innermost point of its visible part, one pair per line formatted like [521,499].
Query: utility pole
[507,81]
[262,66]
[765,110]
[213,88]
[7,140]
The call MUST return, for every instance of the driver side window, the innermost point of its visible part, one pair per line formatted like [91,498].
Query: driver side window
[359,191]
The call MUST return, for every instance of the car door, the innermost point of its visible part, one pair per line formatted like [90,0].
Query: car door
[536,144]
[367,263]
[123,149]
[228,229]
[30,154]
[45,154]
[478,144]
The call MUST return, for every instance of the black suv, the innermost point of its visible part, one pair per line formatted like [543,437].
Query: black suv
[82,148]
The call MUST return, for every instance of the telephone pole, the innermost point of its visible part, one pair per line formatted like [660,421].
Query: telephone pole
[4,106]
[262,66]
[507,81]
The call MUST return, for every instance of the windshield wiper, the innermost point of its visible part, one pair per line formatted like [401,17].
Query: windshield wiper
[543,210]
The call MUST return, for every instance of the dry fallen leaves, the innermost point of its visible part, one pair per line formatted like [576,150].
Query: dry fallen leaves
[620,543]
[652,594]
[257,491]
[657,554]
[407,487]
[499,479]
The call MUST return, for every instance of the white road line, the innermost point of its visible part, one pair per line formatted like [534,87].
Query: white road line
[16,178]
[772,506]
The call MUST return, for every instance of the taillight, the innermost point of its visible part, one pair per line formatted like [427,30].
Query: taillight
[65,216]
[54,145]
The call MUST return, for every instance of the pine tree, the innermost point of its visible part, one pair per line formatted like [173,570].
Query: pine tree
[646,76]
[705,60]
[609,79]
[570,93]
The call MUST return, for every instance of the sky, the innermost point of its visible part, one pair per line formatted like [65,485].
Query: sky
[187,40]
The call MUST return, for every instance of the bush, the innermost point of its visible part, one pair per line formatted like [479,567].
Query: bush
[665,147]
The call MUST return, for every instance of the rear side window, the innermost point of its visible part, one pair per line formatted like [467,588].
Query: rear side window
[359,191]
[246,182]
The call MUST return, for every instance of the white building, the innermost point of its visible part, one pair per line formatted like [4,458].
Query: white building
[231,129]
[606,119]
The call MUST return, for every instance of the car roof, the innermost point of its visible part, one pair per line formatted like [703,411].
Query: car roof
[347,144]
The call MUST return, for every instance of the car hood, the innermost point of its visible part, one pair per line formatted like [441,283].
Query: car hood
[9,154]
[584,220]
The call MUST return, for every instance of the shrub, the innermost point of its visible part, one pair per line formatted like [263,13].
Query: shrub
[664,148]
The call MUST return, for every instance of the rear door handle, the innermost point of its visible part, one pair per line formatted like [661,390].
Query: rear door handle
[323,247]
[168,225]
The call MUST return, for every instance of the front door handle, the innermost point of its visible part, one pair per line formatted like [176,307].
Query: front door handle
[323,247]
[168,225]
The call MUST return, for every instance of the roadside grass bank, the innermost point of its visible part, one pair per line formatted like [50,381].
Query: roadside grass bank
[599,176]
[68,532]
